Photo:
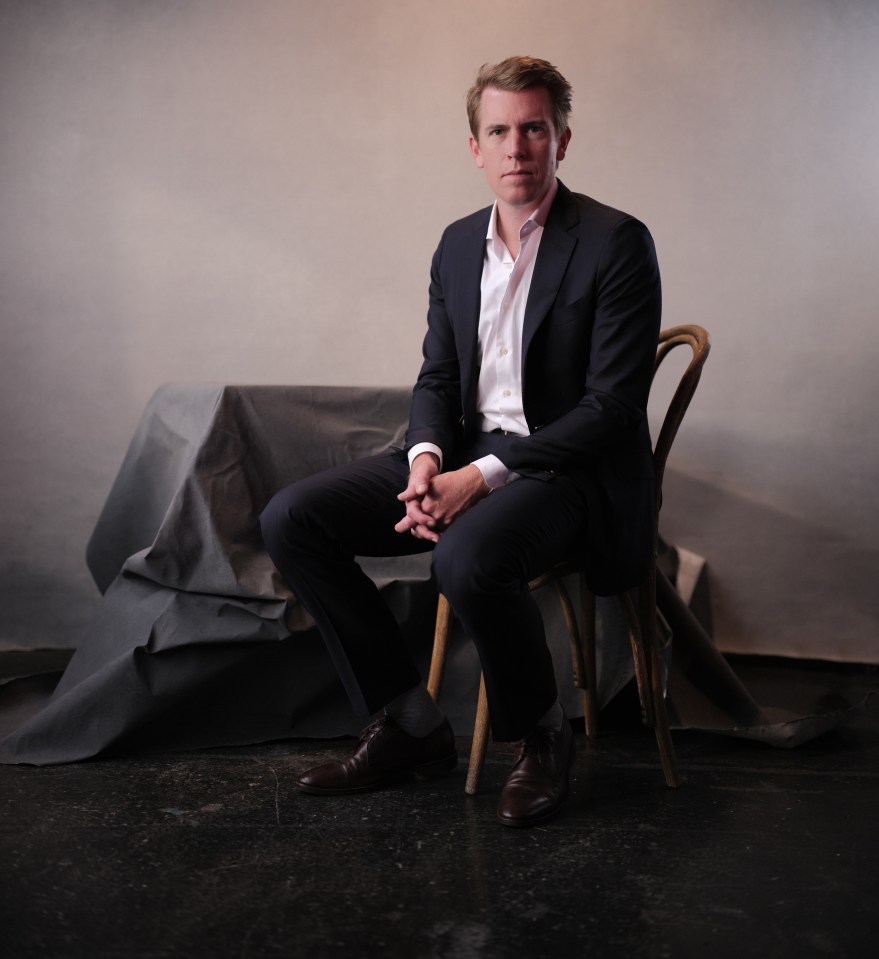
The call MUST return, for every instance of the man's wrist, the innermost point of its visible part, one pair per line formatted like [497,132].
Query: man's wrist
[430,455]
[420,448]
[494,472]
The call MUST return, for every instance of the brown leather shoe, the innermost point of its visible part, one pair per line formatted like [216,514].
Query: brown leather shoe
[385,754]
[538,782]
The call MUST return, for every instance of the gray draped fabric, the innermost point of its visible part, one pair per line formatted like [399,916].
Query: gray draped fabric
[198,642]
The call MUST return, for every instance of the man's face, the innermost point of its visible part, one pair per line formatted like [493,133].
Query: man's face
[518,146]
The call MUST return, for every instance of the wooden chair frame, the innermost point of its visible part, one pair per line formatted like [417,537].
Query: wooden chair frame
[648,633]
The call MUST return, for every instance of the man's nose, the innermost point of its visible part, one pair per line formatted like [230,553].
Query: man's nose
[516,145]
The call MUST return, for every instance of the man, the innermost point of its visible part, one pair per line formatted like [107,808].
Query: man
[527,443]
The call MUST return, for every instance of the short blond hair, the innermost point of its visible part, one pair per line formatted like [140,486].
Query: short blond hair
[521,73]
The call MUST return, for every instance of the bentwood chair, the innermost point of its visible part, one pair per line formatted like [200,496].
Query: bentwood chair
[649,635]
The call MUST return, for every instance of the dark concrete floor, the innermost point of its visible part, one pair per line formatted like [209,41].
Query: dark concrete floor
[762,853]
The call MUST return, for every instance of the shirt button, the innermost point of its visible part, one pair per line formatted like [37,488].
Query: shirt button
[504,351]
[506,392]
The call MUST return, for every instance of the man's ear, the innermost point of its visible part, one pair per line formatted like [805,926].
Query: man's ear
[564,140]
[477,153]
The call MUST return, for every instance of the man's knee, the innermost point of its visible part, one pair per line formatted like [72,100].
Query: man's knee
[271,522]
[442,566]
[458,569]
[469,564]
[283,516]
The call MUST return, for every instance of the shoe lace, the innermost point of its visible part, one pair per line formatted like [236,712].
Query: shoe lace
[530,744]
[374,728]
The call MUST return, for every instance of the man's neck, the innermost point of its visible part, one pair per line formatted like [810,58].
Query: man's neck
[509,221]
[509,225]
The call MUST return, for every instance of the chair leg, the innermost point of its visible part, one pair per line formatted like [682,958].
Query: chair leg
[480,742]
[647,604]
[587,653]
[440,646]
[434,685]
[578,666]
[581,638]
[666,748]
[637,641]
[582,657]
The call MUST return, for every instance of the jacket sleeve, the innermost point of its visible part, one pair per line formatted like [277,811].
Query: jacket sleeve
[436,411]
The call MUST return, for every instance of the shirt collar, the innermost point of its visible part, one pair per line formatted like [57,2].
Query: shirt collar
[536,219]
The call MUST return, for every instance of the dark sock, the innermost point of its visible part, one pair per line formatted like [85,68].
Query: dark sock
[553,718]
[415,712]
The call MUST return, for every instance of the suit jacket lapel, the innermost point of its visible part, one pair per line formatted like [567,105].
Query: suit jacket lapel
[469,273]
[556,247]
[468,293]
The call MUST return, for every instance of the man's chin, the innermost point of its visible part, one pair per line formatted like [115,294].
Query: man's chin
[522,193]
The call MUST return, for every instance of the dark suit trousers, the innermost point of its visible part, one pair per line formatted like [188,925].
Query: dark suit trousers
[482,564]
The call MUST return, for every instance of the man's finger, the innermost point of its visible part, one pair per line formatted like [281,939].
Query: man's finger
[422,532]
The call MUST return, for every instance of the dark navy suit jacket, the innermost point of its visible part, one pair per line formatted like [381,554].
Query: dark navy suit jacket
[589,343]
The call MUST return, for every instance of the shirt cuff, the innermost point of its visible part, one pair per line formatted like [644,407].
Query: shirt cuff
[420,448]
[494,472]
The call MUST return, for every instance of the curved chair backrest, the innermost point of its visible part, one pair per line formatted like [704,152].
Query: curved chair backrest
[698,340]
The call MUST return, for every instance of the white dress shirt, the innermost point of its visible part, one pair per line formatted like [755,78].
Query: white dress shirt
[504,293]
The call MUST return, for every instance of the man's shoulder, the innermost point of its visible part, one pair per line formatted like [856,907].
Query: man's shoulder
[579,209]
[569,211]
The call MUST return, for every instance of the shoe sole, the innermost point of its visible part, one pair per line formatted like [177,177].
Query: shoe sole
[422,773]
[535,820]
